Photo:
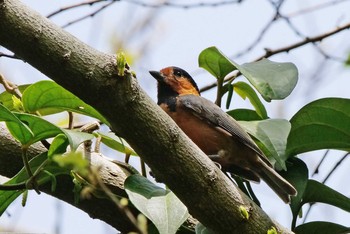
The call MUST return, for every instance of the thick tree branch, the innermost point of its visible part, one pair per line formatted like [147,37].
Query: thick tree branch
[209,195]
[110,173]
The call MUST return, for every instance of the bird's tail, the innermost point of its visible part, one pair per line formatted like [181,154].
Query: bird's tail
[280,185]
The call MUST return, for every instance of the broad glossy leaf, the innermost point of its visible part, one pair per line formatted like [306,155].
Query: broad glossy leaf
[319,227]
[322,124]
[48,97]
[215,62]
[245,91]
[115,142]
[272,80]
[18,129]
[76,138]
[272,133]
[162,207]
[244,115]
[41,128]
[318,192]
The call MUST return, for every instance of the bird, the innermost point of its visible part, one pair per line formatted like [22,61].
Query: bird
[215,132]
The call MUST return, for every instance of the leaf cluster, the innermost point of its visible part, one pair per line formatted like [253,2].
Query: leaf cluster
[321,124]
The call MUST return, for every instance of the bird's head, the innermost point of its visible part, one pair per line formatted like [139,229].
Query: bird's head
[174,81]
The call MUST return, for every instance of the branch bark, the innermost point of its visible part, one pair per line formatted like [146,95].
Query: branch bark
[91,75]
[111,175]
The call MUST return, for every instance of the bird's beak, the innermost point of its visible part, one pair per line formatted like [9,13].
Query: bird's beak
[157,75]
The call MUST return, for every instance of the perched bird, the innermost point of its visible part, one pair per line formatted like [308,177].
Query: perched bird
[215,132]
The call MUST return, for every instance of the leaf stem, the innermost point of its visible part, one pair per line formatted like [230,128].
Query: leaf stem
[31,181]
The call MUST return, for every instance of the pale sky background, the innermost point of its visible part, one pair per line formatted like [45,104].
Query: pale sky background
[176,36]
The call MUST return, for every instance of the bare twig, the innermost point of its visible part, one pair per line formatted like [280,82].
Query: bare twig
[185,6]
[144,4]
[324,181]
[307,40]
[92,14]
[123,209]
[320,163]
[315,8]
[62,9]
[335,167]
[10,87]
[13,56]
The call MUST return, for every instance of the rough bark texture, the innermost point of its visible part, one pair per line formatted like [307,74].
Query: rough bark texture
[209,195]
[111,175]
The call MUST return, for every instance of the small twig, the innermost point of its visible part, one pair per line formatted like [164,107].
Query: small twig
[335,167]
[91,2]
[11,187]
[315,7]
[112,196]
[319,164]
[324,181]
[270,52]
[185,6]
[143,168]
[89,15]
[10,87]
[307,40]
[13,56]
[70,120]
[31,181]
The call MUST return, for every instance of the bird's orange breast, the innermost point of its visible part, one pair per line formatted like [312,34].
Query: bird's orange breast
[210,139]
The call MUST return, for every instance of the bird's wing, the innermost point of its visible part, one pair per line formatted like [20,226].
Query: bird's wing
[208,111]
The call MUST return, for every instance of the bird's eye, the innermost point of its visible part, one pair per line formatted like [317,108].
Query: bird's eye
[177,73]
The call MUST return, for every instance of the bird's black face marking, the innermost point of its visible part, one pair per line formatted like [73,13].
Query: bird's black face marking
[172,82]
[178,72]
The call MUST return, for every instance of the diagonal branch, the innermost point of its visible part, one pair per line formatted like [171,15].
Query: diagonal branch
[91,75]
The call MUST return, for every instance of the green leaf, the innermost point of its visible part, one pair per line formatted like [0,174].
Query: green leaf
[319,227]
[41,128]
[7,99]
[244,115]
[245,91]
[48,97]
[347,62]
[121,63]
[272,133]
[7,197]
[322,124]
[215,62]
[76,138]
[19,130]
[229,88]
[297,174]
[162,207]
[58,145]
[116,143]
[272,80]
[318,192]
